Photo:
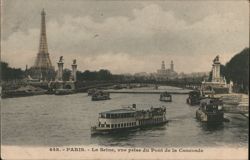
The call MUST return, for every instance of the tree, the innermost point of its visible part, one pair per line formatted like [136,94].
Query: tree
[104,75]
[8,73]
[237,69]
[66,74]
[88,75]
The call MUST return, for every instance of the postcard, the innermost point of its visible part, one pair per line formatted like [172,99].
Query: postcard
[122,79]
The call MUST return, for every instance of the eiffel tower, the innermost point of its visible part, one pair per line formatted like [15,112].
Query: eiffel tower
[43,68]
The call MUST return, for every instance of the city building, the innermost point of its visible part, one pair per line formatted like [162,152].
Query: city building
[168,73]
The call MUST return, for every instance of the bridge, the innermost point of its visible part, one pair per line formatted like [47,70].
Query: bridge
[84,86]
[145,91]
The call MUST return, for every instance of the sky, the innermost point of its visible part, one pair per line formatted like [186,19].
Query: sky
[126,36]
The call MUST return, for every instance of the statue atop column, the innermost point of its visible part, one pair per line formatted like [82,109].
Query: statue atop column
[60,69]
[216,59]
[61,59]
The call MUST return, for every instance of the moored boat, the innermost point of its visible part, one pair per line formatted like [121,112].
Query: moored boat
[210,110]
[129,118]
[166,97]
[16,93]
[64,91]
[194,98]
[100,95]
[23,91]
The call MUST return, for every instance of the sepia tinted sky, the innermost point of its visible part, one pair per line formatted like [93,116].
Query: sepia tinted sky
[126,36]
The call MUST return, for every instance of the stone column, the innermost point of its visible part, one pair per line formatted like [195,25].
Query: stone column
[60,69]
[74,69]
[216,70]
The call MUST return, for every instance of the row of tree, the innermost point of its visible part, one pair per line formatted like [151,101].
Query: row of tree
[101,75]
[237,69]
[8,73]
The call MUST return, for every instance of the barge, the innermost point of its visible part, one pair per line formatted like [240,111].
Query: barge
[210,110]
[64,91]
[166,97]
[129,118]
[100,95]
[194,98]
[23,91]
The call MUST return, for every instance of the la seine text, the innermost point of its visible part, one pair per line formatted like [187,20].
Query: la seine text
[128,150]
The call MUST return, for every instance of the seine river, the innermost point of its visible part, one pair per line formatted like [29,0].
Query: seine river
[49,120]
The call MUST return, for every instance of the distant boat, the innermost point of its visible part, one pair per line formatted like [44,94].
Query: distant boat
[91,91]
[210,110]
[100,95]
[64,91]
[23,91]
[166,97]
[118,87]
[50,91]
[129,118]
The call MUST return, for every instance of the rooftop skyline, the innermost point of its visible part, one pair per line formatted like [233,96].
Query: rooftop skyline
[126,37]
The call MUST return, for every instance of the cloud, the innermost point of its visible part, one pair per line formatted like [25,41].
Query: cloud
[133,44]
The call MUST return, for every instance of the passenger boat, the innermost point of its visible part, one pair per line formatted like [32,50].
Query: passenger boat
[194,98]
[166,97]
[210,110]
[129,118]
[100,95]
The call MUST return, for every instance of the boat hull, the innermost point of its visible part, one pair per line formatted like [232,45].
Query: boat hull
[193,101]
[95,130]
[210,117]
[64,92]
[166,100]
[15,94]
[100,99]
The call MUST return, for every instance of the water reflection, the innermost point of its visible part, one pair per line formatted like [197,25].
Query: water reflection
[212,126]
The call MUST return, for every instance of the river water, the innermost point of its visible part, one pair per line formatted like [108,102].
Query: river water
[49,120]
